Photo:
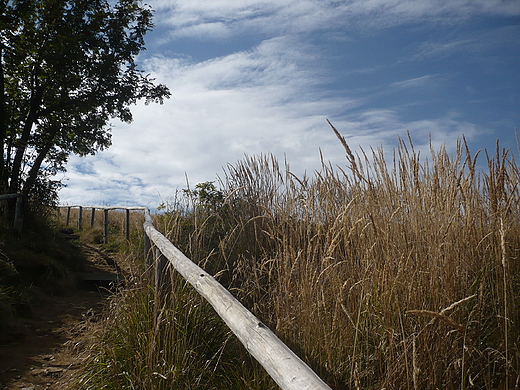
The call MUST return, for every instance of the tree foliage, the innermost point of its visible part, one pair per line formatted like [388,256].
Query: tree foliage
[207,195]
[66,68]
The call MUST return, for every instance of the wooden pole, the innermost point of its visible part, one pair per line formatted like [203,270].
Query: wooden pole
[92,216]
[148,256]
[105,226]
[127,229]
[162,282]
[80,218]
[68,217]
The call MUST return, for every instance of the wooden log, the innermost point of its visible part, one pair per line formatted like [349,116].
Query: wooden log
[9,196]
[138,208]
[105,226]
[283,365]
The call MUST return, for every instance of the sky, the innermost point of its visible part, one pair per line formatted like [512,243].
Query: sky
[251,77]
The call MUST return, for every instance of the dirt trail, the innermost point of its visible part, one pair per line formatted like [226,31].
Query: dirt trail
[46,350]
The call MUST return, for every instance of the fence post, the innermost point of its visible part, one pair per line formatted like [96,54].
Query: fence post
[148,256]
[105,226]
[18,215]
[162,281]
[127,230]
[68,217]
[92,216]
[80,218]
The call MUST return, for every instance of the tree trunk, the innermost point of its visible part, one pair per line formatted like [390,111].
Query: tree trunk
[21,146]
[3,123]
[18,157]
[33,173]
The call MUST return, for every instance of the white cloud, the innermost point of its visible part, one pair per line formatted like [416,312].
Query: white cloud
[476,44]
[222,109]
[445,48]
[250,102]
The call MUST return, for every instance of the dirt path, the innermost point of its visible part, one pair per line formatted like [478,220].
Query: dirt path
[46,350]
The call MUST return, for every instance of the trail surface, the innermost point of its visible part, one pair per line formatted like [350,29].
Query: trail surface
[46,350]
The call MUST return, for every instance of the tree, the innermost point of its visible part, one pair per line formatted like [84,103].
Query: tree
[207,195]
[66,68]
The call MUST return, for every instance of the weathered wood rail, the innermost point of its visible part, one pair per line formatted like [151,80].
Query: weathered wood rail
[282,364]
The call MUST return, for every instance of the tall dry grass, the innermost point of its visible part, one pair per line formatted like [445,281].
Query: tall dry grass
[186,347]
[395,275]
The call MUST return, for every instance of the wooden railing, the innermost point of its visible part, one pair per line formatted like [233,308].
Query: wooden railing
[105,210]
[282,364]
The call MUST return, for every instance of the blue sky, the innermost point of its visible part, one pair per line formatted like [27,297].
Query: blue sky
[252,77]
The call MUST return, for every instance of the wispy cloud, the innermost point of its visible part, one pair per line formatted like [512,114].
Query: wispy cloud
[426,81]
[206,125]
[231,17]
[438,49]
[476,43]
[215,30]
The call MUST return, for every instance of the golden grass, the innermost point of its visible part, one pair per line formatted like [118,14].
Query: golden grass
[392,275]
[397,272]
